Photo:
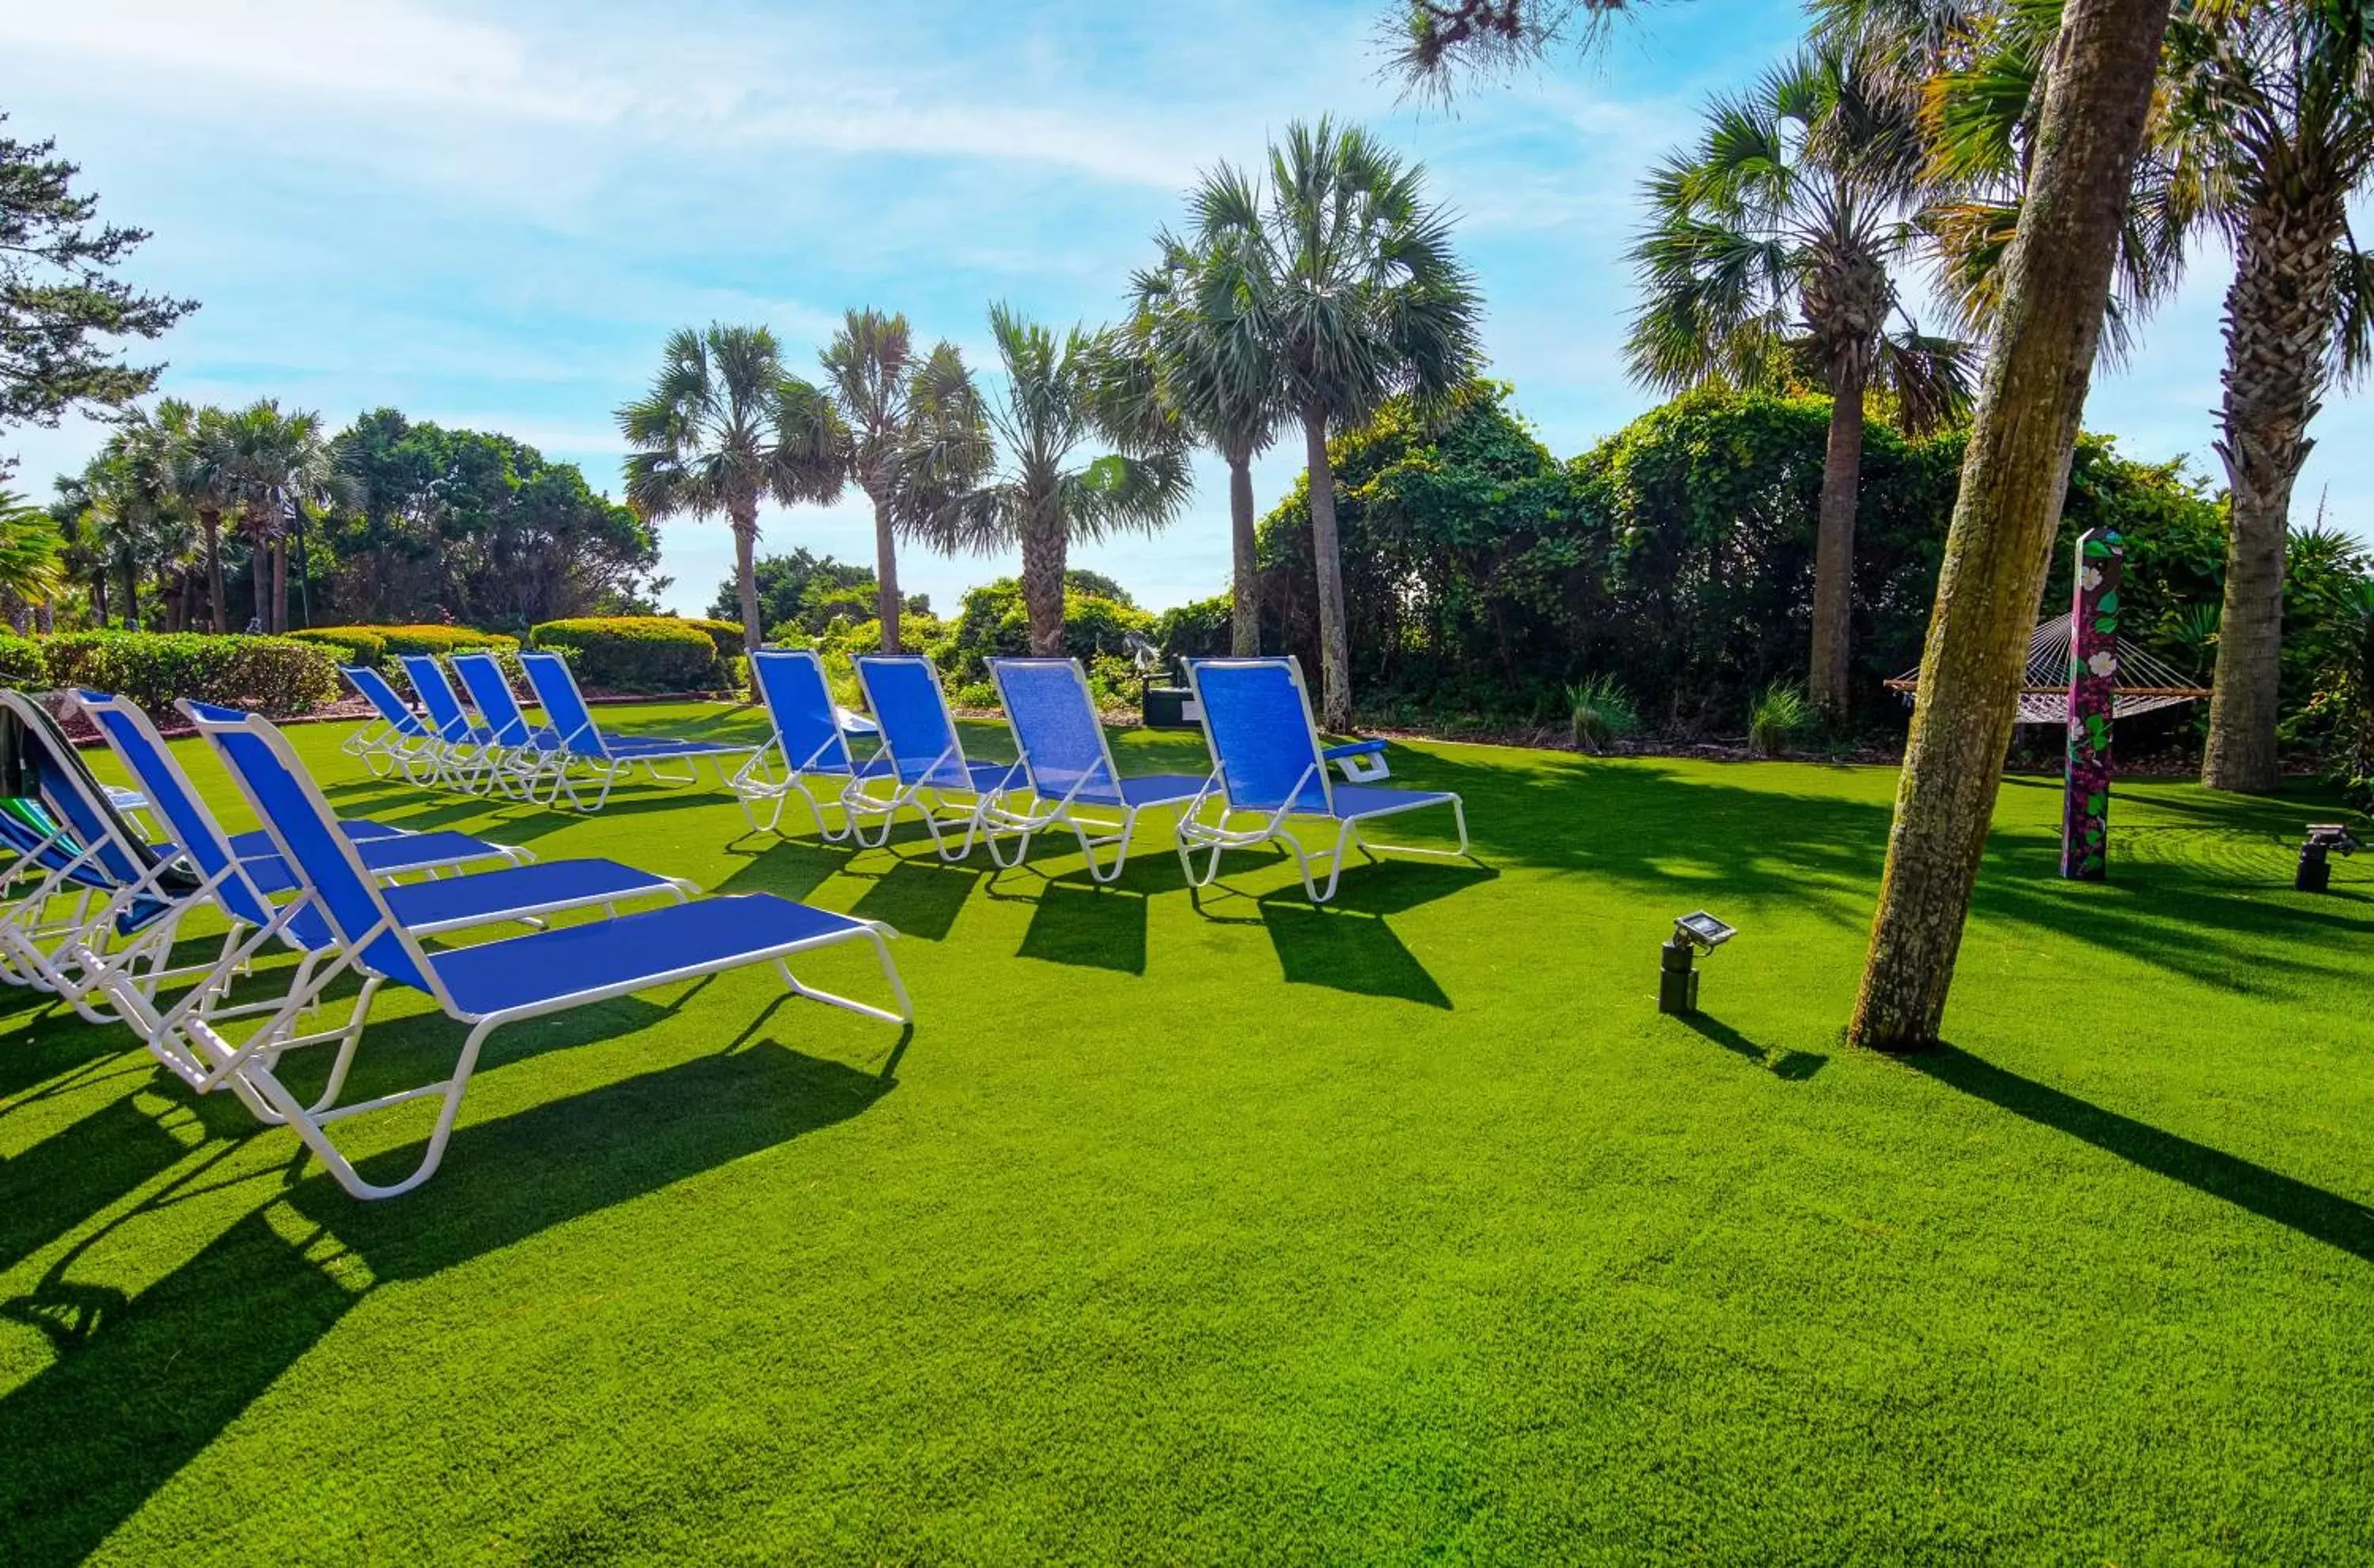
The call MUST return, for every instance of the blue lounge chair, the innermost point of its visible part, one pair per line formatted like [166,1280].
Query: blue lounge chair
[520,753]
[244,879]
[810,744]
[395,740]
[1269,766]
[490,984]
[609,758]
[928,769]
[465,752]
[1068,766]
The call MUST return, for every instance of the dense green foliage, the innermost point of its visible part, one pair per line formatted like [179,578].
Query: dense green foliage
[995,623]
[479,525]
[21,662]
[1220,1230]
[1483,576]
[640,653]
[272,674]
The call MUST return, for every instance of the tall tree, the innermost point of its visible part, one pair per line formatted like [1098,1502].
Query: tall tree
[1771,251]
[915,434]
[2271,114]
[1199,321]
[1064,398]
[270,464]
[60,311]
[2056,292]
[29,549]
[202,479]
[1361,296]
[723,428]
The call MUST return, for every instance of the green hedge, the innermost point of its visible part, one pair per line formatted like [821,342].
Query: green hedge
[21,663]
[273,674]
[726,635]
[376,645]
[636,654]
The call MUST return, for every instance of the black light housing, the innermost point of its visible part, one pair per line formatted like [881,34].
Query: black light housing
[1677,980]
[2325,839]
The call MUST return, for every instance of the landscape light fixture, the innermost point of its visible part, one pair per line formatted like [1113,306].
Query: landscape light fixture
[1677,981]
[2325,839]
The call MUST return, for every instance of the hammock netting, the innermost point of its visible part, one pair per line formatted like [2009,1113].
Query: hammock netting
[2143,682]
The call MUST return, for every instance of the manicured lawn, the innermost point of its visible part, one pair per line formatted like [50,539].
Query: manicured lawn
[1227,1229]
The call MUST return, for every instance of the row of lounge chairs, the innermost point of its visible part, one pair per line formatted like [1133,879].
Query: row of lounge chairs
[1270,769]
[92,908]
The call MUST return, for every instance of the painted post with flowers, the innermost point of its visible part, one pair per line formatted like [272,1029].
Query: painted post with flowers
[2093,677]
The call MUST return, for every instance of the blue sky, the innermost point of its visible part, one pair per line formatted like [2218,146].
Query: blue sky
[492,214]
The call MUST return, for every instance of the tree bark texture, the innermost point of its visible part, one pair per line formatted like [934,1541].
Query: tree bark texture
[2057,284]
[1244,606]
[2279,318]
[1043,552]
[1834,547]
[885,573]
[279,621]
[1334,638]
[212,522]
[746,583]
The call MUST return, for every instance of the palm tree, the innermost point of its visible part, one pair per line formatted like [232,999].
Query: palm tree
[721,429]
[270,464]
[1064,397]
[1771,250]
[202,479]
[30,545]
[2272,116]
[914,434]
[1350,274]
[1198,321]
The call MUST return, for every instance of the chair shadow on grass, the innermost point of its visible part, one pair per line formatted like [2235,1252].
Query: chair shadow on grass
[2312,1211]
[140,1386]
[1346,944]
[1790,1067]
[919,897]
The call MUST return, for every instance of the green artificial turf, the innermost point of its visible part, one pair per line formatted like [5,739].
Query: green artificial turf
[1212,1229]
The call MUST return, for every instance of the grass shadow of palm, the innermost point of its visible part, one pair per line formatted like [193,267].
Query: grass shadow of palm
[2311,1210]
[144,1383]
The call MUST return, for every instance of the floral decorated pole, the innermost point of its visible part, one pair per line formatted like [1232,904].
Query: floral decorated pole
[2092,674]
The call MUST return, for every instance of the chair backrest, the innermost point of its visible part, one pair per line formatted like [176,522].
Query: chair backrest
[556,694]
[799,699]
[62,783]
[320,855]
[1264,743]
[382,697]
[437,696]
[491,694]
[1055,727]
[918,732]
[196,833]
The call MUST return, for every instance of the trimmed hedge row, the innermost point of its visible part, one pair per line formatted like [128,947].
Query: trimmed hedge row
[641,653]
[376,645]
[273,674]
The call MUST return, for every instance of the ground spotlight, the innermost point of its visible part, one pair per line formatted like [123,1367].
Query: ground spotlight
[2325,839]
[1677,982]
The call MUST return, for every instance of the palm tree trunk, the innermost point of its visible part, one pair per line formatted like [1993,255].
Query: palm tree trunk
[99,596]
[746,582]
[1334,640]
[1043,550]
[279,621]
[1834,545]
[2279,320]
[131,594]
[2014,472]
[1245,608]
[886,574]
[212,522]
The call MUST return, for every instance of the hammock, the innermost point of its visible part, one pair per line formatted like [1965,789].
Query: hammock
[2044,699]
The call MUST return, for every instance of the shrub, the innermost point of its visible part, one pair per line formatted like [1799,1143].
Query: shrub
[273,674]
[726,635]
[1199,630]
[350,644]
[21,662]
[636,653]
[995,623]
[376,645]
[1602,713]
[981,696]
[1780,715]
